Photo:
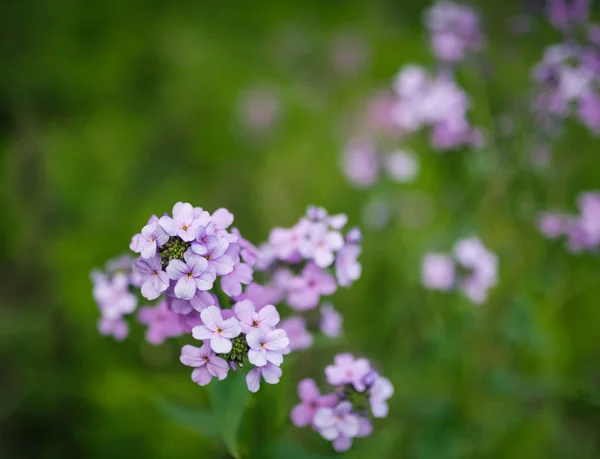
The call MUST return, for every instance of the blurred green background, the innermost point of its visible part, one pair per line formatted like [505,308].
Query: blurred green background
[113,111]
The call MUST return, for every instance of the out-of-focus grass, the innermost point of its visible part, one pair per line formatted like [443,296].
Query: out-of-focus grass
[112,112]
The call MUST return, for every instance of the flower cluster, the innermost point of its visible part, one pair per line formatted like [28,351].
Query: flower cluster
[424,100]
[302,265]
[112,290]
[363,163]
[200,273]
[582,230]
[359,393]
[567,78]
[454,31]
[471,269]
[567,82]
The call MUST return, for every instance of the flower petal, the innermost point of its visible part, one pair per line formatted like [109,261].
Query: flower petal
[324,418]
[176,269]
[276,340]
[302,415]
[201,332]
[308,390]
[220,344]
[211,317]
[231,328]
[244,310]
[230,285]
[342,443]
[271,374]
[253,380]
[268,315]
[217,367]
[276,358]
[169,225]
[205,281]
[191,356]
[201,376]
[254,338]
[185,288]
[257,357]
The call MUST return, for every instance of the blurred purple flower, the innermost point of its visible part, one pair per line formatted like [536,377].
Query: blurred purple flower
[311,400]
[331,321]
[437,272]
[206,363]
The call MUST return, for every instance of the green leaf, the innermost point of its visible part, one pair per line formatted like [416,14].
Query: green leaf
[200,421]
[229,399]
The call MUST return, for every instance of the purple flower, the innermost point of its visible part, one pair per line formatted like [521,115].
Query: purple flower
[437,272]
[483,265]
[207,364]
[218,261]
[401,166]
[270,373]
[185,221]
[321,245]
[331,321]
[113,295]
[206,240]
[306,290]
[162,323]
[191,275]
[242,274]
[200,301]
[347,370]
[117,328]
[154,279]
[265,319]
[223,219]
[266,347]
[219,331]
[361,163]
[380,392]
[303,413]
[552,225]
[338,421]
[286,242]
[261,295]
[347,267]
[298,335]
[152,237]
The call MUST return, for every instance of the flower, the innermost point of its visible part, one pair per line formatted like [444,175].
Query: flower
[207,364]
[298,335]
[401,166]
[361,163]
[216,257]
[311,400]
[191,274]
[206,240]
[219,331]
[347,267]
[185,221]
[331,321]
[347,370]
[200,301]
[306,290]
[117,328]
[152,237]
[437,271]
[154,279]
[113,295]
[321,245]
[338,421]
[266,347]
[270,373]
[265,319]
[381,391]
[483,265]
[242,274]
[223,219]
[162,323]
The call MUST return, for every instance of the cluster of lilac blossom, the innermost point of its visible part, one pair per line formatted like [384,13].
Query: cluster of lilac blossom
[435,101]
[583,230]
[303,264]
[358,394]
[568,76]
[471,268]
[454,31]
[183,255]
